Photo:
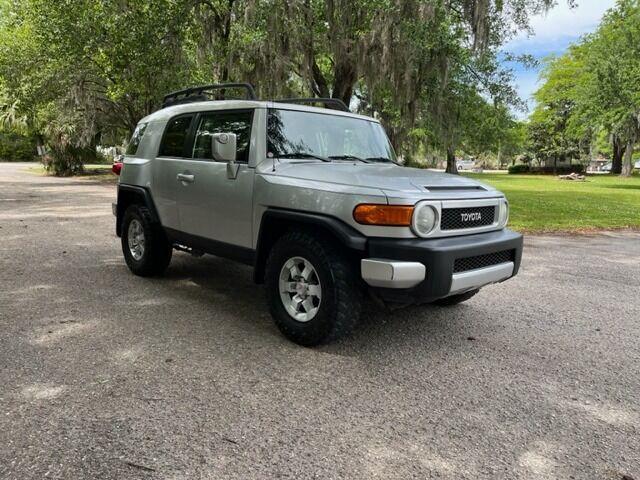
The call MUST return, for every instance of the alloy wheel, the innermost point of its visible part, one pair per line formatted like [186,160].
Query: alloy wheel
[300,289]
[135,239]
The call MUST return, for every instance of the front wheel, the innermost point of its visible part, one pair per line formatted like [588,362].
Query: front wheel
[312,290]
[144,245]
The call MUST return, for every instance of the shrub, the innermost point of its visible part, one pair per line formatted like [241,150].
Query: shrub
[519,168]
[16,148]
[64,160]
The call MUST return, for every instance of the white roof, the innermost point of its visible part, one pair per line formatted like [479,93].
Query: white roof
[169,112]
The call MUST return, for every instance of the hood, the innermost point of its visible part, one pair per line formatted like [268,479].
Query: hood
[390,178]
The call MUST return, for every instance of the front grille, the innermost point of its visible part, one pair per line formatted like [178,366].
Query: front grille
[482,261]
[468,217]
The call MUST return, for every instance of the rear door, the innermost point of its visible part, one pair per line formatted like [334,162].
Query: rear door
[170,162]
[212,205]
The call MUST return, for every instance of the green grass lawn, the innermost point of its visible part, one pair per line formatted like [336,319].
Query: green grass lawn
[543,203]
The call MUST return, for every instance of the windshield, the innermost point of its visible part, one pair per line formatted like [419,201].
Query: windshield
[308,135]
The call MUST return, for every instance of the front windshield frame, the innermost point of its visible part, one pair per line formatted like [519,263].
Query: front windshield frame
[326,135]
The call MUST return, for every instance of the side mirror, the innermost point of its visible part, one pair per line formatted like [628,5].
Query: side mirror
[223,148]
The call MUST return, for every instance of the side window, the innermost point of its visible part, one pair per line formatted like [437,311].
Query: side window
[238,122]
[175,135]
[136,138]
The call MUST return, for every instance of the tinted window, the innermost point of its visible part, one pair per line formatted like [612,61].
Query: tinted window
[136,138]
[174,137]
[219,122]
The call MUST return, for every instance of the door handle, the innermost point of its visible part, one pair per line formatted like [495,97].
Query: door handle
[183,177]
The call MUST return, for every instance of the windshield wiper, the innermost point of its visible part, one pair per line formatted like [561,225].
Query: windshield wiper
[348,157]
[381,160]
[303,155]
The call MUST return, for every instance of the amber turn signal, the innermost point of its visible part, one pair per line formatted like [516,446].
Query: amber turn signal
[383,215]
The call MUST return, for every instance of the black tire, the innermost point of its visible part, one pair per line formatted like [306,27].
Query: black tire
[157,250]
[456,299]
[341,302]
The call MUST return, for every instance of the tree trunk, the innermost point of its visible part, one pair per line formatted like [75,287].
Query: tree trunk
[627,165]
[225,35]
[345,78]
[452,167]
[319,84]
[39,140]
[618,152]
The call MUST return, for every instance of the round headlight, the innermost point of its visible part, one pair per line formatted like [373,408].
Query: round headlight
[424,219]
[503,213]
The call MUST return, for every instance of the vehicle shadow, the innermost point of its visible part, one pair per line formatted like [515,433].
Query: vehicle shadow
[228,287]
[224,287]
[422,327]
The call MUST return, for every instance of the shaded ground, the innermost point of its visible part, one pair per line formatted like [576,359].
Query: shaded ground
[106,375]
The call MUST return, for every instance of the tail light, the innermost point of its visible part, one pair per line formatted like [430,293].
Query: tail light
[116,168]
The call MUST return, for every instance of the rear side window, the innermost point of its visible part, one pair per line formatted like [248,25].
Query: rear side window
[238,122]
[136,138]
[175,136]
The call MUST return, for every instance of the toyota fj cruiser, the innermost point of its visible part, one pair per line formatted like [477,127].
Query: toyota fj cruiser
[314,200]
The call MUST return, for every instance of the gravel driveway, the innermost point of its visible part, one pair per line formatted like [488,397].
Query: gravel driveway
[106,375]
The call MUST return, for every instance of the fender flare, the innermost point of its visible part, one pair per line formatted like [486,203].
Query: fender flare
[126,195]
[281,219]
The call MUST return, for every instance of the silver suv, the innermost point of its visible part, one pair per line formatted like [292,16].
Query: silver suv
[314,200]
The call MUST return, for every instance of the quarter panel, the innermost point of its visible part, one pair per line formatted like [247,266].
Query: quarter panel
[165,190]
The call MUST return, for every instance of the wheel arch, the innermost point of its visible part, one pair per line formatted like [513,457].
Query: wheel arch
[133,195]
[276,222]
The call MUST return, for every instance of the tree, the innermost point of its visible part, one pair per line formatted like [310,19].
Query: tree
[77,69]
[553,132]
[593,92]
[410,62]
[613,92]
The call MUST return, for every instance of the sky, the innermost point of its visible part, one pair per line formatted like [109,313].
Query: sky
[553,33]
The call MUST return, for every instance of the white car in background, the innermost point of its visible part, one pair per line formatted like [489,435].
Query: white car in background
[607,167]
[466,165]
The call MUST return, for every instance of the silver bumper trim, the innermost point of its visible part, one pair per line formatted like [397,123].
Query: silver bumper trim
[379,272]
[464,281]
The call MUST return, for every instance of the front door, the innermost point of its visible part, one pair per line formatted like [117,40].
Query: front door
[212,205]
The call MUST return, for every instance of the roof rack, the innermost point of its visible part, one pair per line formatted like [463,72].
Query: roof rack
[203,93]
[334,103]
[218,92]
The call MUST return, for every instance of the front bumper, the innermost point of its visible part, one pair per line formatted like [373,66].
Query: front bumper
[424,270]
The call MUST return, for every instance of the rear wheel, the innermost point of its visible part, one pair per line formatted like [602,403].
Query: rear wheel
[312,290]
[144,245]
[456,299]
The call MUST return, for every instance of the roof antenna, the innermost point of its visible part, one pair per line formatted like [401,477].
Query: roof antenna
[273,157]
